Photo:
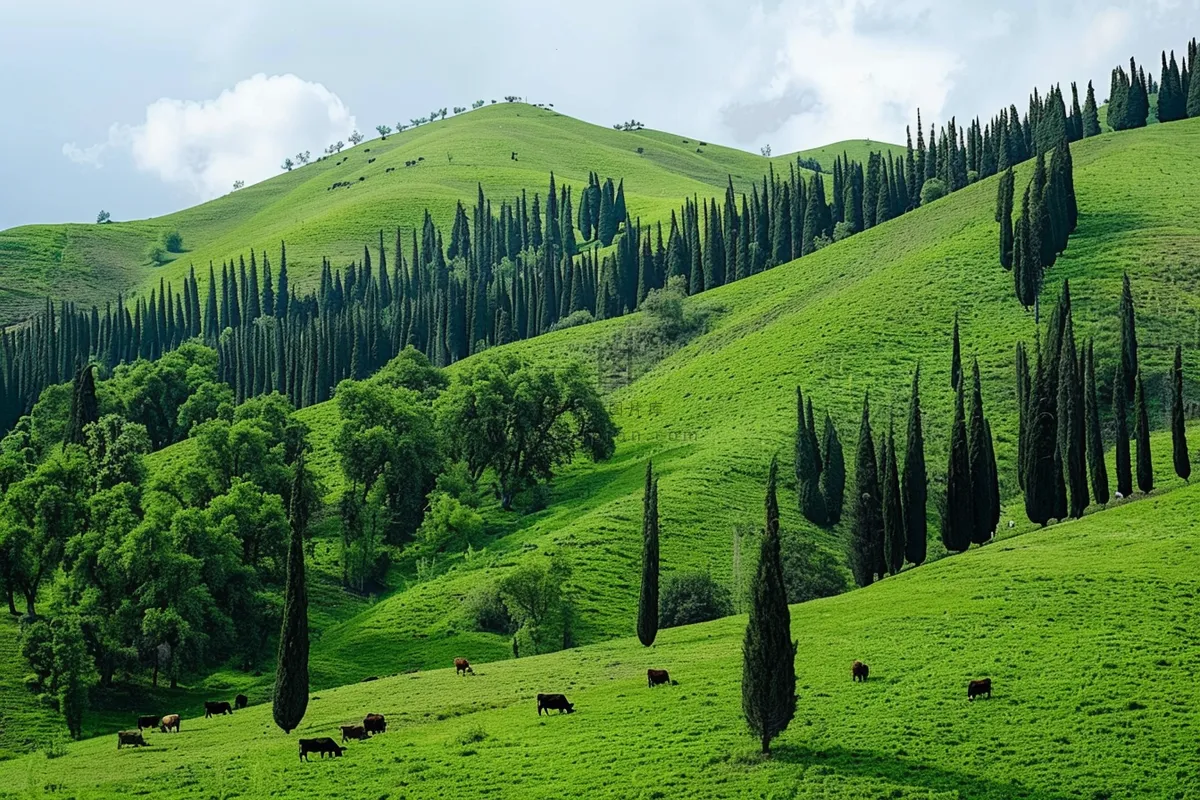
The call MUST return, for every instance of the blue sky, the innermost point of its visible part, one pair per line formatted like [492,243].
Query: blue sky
[142,107]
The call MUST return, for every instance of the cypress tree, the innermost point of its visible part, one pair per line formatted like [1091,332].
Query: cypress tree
[1071,428]
[84,408]
[913,486]
[1145,469]
[647,624]
[1129,355]
[958,517]
[768,652]
[291,674]
[607,229]
[893,511]
[1121,417]
[1091,114]
[1193,88]
[808,472]
[983,472]
[833,477]
[1004,208]
[1179,447]
[955,358]
[1095,441]
[866,531]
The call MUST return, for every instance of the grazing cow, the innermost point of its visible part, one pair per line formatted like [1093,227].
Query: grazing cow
[371,160]
[241,701]
[168,722]
[979,688]
[552,701]
[420,158]
[324,746]
[655,677]
[220,707]
[147,722]
[353,732]
[390,169]
[130,738]
[462,667]
[375,723]
[859,671]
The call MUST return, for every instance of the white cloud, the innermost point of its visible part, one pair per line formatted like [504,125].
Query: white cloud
[243,134]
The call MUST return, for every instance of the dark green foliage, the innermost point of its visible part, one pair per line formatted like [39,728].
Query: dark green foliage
[1071,420]
[808,468]
[84,408]
[291,671]
[1172,103]
[914,488]
[1128,365]
[833,476]
[983,467]
[647,624]
[1040,460]
[1121,424]
[809,571]
[893,511]
[1004,209]
[956,373]
[1145,468]
[1091,116]
[1179,447]
[866,512]
[691,597]
[1193,84]
[1023,394]
[958,519]
[769,654]
[1095,441]
[63,674]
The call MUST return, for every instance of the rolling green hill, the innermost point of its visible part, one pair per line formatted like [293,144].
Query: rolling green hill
[94,262]
[1086,628]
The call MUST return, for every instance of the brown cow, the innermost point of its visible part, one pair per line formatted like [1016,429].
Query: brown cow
[131,738]
[859,671]
[168,722]
[375,723]
[462,667]
[324,746]
[353,732]
[554,701]
[220,707]
[147,722]
[979,688]
[241,701]
[655,677]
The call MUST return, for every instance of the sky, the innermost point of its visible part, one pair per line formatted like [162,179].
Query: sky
[143,107]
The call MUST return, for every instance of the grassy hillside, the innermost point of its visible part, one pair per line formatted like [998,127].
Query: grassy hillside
[1085,628]
[94,262]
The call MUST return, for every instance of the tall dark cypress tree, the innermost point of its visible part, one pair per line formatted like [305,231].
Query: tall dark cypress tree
[893,510]
[1091,114]
[1121,417]
[1041,447]
[647,624]
[768,652]
[866,523]
[1071,428]
[958,517]
[955,358]
[833,477]
[1004,209]
[913,485]
[84,408]
[983,471]
[1145,467]
[1179,446]
[808,472]
[291,673]
[1129,355]
[1095,440]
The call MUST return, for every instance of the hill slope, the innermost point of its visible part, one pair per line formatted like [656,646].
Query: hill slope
[93,262]
[1085,628]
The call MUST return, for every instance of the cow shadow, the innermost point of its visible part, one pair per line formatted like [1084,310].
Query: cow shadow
[867,764]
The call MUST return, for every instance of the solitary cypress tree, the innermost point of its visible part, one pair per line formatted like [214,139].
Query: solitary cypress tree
[1179,447]
[833,477]
[1145,469]
[958,519]
[1129,355]
[893,512]
[768,652]
[982,472]
[291,672]
[913,486]
[955,358]
[866,531]
[1121,417]
[647,625]
[1095,441]
[1071,429]
[84,408]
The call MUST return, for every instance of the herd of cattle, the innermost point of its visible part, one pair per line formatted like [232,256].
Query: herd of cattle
[375,723]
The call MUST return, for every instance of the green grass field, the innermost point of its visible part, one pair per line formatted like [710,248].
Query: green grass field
[91,263]
[1086,628]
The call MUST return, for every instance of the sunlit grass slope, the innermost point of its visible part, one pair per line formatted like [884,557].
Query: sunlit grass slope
[1086,628]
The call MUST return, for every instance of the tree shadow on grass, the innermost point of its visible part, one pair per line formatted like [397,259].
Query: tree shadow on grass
[867,764]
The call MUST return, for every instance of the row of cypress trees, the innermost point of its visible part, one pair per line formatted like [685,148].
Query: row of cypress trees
[820,481]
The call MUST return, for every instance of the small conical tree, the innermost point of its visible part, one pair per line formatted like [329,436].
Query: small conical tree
[647,624]
[1091,115]
[955,358]
[893,511]
[913,486]
[1179,446]
[958,521]
[768,652]
[1145,468]
[1121,418]
[866,523]
[833,477]
[291,672]
[1095,440]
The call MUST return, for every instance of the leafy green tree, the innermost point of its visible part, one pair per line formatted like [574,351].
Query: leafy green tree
[933,189]
[449,524]
[115,448]
[833,476]
[1179,446]
[769,654]
[866,520]
[533,593]
[647,625]
[914,488]
[291,671]
[209,401]
[1145,467]
[809,571]
[1095,440]
[691,597]
[1121,417]
[64,673]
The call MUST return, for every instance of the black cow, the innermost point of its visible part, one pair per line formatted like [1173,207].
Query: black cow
[859,671]
[657,677]
[130,738]
[353,732]
[147,722]
[375,723]
[554,701]
[979,688]
[220,707]
[241,701]
[324,746]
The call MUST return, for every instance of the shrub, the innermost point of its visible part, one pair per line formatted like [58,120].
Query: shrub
[537,499]
[157,254]
[692,597]
[934,189]
[449,524]
[173,241]
[808,571]
[641,150]
[485,609]
[581,317]
[843,230]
